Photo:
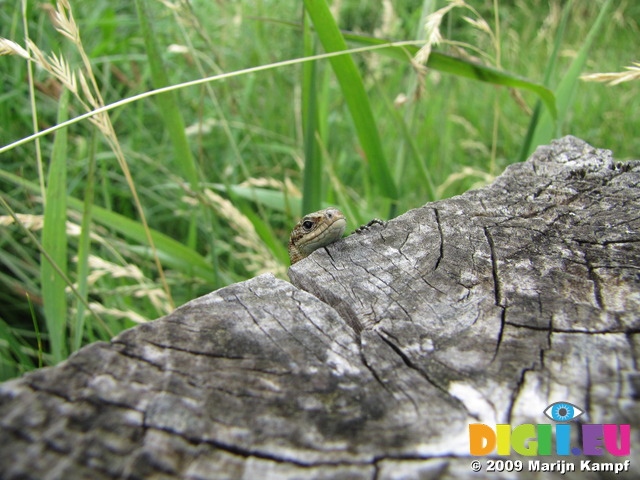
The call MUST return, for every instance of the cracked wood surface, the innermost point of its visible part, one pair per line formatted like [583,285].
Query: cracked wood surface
[483,308]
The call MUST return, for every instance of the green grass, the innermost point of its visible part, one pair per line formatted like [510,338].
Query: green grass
[54,240]
[174,195]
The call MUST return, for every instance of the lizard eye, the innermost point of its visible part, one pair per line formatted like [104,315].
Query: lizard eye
[307,225]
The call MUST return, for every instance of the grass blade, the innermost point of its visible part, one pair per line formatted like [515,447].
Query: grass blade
[13,359]
[36,330]
[462,68]
[84,246]
[483,73]
[54,241]
[312,183]
[167,102]
[550,67]
[547,128]
[272,199]
[173,253]
[413,151]
[354,94]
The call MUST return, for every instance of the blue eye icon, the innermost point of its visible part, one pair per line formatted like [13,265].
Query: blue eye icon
[563,412]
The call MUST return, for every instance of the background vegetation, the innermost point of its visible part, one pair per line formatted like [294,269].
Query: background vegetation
[169,197]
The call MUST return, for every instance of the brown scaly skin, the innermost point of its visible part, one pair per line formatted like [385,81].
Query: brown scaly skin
[314,231]
[319,229]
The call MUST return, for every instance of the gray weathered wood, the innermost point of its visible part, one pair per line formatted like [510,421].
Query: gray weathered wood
[484,308]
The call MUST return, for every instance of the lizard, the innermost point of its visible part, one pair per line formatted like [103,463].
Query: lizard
[319,229]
